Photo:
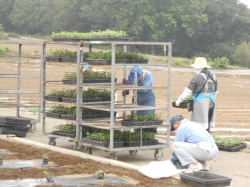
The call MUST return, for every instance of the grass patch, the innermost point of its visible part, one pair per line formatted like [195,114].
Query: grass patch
[3,36]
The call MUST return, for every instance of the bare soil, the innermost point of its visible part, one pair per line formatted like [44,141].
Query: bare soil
[70,165]
[232,111]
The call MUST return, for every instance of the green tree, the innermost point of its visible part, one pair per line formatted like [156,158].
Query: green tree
[5,9]
[228,23]
[242,55]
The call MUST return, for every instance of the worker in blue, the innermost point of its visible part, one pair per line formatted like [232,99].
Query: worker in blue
[145,97]
[193,146]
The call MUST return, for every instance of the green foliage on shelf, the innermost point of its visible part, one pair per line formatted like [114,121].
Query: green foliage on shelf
[99,34]
[62,53]
[88,75]
[66,128]
[141,117]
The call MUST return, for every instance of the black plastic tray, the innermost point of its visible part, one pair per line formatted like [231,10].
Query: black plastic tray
[137,143]
[103,144]
[53,115]
[68,117]
[59,133]
[53,98]
[205,179]
[53,59]
[233,149]
[68,100]
[13,119]
[19,132]
[141,123]
[98,61]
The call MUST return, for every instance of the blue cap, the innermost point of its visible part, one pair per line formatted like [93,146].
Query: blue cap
[86,66]
[174,119]
[132,73]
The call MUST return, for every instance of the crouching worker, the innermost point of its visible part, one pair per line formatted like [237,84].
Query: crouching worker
[193,146]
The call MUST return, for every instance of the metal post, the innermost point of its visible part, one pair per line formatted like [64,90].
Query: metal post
[112,97]
[79,91]
[18,79]
[43,82]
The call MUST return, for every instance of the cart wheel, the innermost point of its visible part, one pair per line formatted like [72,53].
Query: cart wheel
[134,152]
[32,128]
[113,156]
[78,147]
[89,150]
[158,156]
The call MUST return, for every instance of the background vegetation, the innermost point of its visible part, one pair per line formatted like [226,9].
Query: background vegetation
[210,28]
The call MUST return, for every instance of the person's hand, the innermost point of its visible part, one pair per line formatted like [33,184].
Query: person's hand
[125,92]
[177,103]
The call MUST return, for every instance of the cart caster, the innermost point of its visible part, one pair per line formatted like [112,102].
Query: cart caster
[32,128]
[113,156]
[89,150]
[134,152]
[77,146]
[52,142]
[158,155]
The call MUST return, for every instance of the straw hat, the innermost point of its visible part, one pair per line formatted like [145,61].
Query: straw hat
[200,62]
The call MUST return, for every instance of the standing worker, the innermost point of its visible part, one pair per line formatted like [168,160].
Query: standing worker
[145,97]
[204,88]
[193,145]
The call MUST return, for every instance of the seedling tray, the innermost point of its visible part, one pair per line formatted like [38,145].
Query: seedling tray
[13,119]
[69,81]
[98,61]
[103,144]
[68,100]
[53,115]
[141,123]
[205,179]
[53,98]
[59,133]
[53,59]
[182,105]
[68,117]
[19,132]
[91,116]
[137,143]
[233,149]
[131,123]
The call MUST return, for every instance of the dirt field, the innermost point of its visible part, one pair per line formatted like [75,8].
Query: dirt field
[71,166]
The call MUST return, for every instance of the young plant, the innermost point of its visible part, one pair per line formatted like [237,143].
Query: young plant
[45,156]
[49,176]
[174,182]
[46,173]
[82,164]
[100,174]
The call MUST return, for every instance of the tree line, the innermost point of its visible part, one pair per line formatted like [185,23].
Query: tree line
[210,28]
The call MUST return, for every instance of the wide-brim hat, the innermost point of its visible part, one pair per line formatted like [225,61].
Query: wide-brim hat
[200,62]
[132,74]
[86,66]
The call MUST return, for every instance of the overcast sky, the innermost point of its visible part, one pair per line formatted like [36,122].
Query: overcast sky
[247,2]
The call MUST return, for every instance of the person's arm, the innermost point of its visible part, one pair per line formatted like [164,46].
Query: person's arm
[185,94]
[180,135]
[148,79]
